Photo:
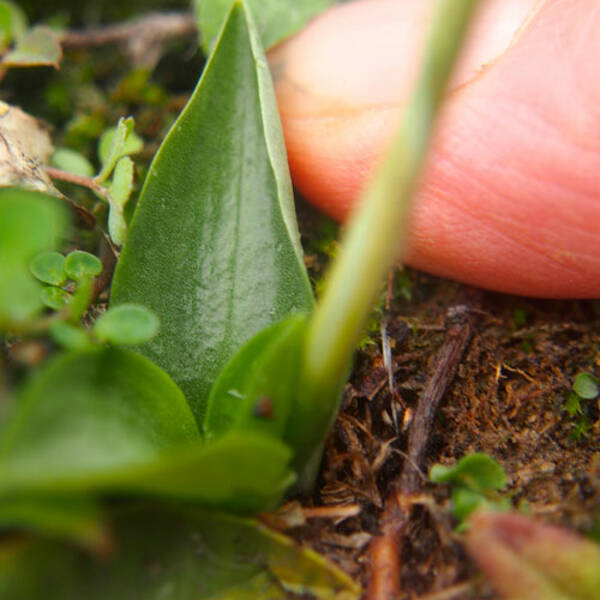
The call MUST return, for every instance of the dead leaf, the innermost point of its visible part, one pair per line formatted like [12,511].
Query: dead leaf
[25,147]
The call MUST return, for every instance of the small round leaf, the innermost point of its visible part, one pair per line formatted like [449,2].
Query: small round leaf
[72,161]
[55,297]
[127,324]
[69,336]
[49,267]
[585,385]
[478,472]
[80,265]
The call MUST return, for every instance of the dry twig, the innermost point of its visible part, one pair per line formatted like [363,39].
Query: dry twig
[143,38]
[385,549]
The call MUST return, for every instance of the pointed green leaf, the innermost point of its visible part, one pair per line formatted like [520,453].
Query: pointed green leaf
[256,390]
[115,143]
[121,185]
[29,223]
[174,554]
[276,19]
[127,324]
[213,247]
[37,47]
[106,420]
[120,188]
[49,267]
[117,225]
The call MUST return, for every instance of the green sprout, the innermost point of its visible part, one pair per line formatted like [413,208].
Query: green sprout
[114,182]
[475,481]
[585,387]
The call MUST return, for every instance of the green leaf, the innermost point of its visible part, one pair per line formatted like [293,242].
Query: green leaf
[90,412]
[585,385]
[120,189]
[13,22]
[275,19]
[241,472]
[49,267]
[117,225]
[30,222]
[55,298]
[129,324]
[573,405]
[76,518]
[108,420]
[255,391]
[115,143]
[176,554]
[69,336]
[72,161]
[122,182]
[478,472]
[82,265]
[465,501]
[37,47]
[213,248]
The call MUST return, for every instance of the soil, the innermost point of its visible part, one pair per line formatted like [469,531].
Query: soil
[507,399]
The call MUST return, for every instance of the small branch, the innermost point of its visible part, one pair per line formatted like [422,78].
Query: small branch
[88,182]
[331,512]
[88,217]
[458,334]
[143,38]
[385,549]
[109,260]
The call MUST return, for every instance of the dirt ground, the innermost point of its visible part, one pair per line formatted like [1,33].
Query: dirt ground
[507,399]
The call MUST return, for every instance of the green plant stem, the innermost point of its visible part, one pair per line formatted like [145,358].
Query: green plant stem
[378,230]
[88,182]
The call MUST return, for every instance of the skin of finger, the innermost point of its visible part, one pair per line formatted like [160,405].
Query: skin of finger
[510,198]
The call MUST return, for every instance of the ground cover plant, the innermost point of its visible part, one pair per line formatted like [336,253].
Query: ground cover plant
[206,391]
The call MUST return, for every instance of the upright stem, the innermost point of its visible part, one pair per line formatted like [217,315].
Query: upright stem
[376,233]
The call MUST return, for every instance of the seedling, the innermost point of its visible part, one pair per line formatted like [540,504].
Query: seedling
[475,481]
[115,181]
[69,293]
[585,387]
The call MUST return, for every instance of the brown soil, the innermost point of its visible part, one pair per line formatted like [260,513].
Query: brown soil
[507,399]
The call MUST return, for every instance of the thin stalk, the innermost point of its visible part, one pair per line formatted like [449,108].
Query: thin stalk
[376,233]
